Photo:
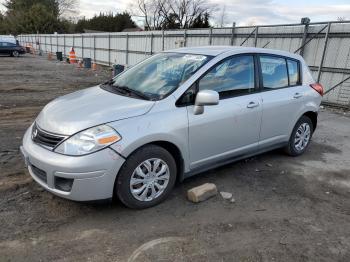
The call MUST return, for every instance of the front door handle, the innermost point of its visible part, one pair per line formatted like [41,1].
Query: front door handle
[252,104]
[297,95]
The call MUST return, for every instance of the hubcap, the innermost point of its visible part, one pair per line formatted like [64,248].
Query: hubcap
[15,53]
[302,136]
[149,179]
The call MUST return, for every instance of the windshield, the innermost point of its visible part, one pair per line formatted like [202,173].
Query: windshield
[161,74]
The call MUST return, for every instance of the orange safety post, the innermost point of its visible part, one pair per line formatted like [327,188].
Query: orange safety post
[49,56]
[72,56]
[94,66]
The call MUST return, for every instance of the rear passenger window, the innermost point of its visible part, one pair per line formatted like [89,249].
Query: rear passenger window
[274,72]
[293,71]
[233,76]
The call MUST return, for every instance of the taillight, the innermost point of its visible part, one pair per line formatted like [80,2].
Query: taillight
[318,88]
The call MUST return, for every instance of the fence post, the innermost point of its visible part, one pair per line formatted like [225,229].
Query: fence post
[162,39]
[256,36]
[64,45]
[185,37]
[94,48]
[109,49]
[51,43]
[57,43]
[233,32]
[210,35]
[306,29]
[127,50]
[82,46]
[324,52]
[151,43]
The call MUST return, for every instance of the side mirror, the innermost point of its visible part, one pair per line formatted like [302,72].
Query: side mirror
[205,98]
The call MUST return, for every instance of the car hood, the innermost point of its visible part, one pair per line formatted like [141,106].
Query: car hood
[74,112]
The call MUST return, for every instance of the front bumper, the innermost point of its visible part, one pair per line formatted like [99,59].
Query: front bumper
[90,177]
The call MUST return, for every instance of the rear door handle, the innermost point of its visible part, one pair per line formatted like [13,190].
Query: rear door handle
[252,104]
[297,95]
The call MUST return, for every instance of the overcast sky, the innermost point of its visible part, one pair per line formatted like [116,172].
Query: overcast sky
[245,12]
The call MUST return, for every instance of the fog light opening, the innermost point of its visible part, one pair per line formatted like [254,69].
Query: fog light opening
[63,184]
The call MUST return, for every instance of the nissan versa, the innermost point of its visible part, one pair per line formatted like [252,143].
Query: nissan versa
[171,116]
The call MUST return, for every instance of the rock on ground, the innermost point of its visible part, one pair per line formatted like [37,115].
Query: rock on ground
[201,193]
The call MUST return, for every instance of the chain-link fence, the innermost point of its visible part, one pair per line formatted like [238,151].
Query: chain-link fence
[325,47]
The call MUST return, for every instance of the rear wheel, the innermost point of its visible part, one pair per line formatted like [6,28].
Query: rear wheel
[300,137]
[15,53]
[146,177]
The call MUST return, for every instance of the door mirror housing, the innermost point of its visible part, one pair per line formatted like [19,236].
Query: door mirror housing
[205,98]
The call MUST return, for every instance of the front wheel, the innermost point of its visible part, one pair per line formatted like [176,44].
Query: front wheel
[15,53]
[300,137]
[146,178]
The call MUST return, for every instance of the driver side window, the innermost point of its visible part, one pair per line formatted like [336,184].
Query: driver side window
[231,77]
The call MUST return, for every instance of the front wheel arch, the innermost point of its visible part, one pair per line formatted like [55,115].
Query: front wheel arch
[124,173]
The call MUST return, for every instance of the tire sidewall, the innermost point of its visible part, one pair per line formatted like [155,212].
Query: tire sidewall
[291,147]
[122,185]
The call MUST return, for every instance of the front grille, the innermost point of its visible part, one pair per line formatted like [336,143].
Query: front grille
[45,138]
[41,174]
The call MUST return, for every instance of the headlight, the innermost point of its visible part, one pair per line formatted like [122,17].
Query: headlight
[88,141]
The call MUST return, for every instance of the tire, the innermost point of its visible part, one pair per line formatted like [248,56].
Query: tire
[136,168]
[303,130]
[15,53]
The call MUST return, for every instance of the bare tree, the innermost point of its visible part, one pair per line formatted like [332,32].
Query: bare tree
[181,13]
[223,16]
[66,7]
[186,11]
[149,10]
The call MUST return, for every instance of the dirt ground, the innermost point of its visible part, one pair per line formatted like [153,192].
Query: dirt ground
[286,209]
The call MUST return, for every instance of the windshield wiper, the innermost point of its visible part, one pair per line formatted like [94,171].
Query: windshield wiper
[126,90]
[109,82]
[132,91]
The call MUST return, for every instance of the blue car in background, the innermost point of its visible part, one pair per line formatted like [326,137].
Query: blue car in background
[10,46]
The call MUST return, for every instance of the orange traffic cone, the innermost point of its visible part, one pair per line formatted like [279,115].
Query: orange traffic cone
[49,56]
[72,57]
[94,66]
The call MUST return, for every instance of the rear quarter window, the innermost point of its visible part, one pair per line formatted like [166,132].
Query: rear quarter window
[293,71]
[274,72]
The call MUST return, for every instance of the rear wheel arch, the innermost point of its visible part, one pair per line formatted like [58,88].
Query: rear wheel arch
[300,137]
[313,117]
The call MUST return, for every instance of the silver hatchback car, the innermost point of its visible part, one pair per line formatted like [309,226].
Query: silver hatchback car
[176,114]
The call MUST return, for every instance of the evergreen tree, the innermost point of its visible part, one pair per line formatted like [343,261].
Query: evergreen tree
[32,16]
[171,22]
[201,21]
[106,22]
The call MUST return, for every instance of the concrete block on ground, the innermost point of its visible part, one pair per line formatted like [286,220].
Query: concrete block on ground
[201,193]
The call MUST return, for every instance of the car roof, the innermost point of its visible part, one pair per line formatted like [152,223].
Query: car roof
[217,50]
